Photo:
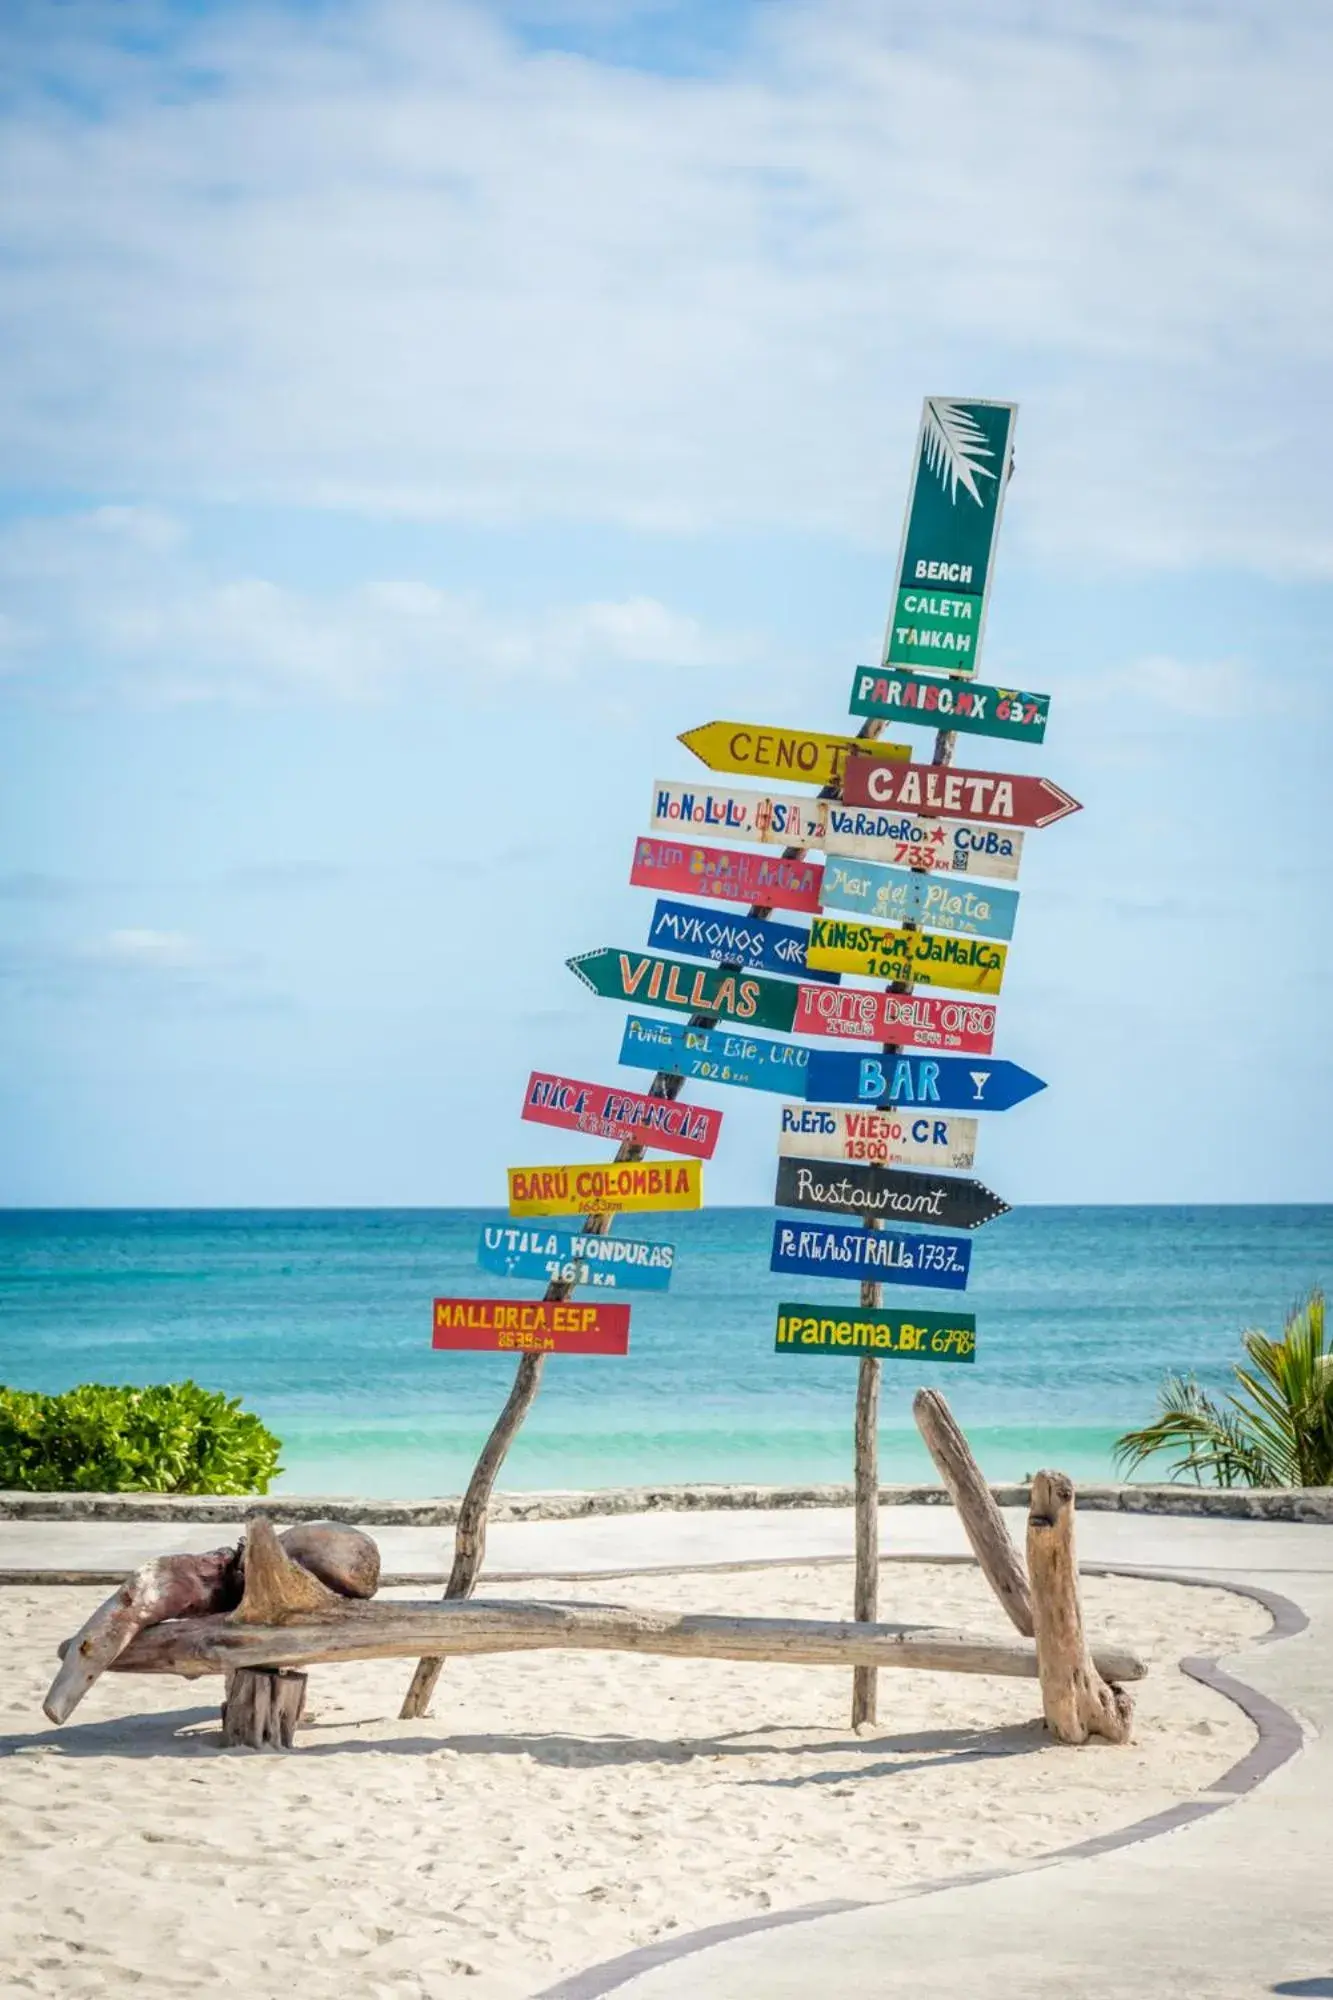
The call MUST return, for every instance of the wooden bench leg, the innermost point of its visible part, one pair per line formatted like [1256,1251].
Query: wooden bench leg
[263,1707]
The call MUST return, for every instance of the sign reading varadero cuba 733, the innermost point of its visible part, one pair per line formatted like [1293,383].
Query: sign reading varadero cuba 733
[953,518]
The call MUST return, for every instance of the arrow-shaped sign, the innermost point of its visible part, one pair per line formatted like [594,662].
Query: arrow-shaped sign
[945,704]
[907,1138]
[996,798]
[692,989]
[806,755]
[944,1083]
[870,1190]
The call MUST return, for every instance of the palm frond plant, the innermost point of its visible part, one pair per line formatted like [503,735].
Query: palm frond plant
[1275,1429]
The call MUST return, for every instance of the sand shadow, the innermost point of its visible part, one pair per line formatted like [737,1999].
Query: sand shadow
[157,1734]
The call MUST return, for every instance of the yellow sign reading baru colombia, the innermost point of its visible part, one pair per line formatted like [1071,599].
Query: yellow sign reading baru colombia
[969,965]
[805,754]
[606,1190]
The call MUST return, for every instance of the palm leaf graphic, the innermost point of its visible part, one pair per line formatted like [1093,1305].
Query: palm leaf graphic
[954,446]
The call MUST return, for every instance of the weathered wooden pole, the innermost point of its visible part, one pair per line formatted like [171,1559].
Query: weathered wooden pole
[983,1523]
[1079,1700]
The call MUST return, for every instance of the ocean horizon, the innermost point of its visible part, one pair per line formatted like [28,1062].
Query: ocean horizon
[320,1320]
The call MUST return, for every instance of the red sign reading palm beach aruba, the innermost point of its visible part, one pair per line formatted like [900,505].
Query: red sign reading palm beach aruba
[761,880]
[860,1014]
[998,797]
[530,1326]
[612,1113]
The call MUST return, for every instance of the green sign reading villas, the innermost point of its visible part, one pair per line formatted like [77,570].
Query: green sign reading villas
[953,518]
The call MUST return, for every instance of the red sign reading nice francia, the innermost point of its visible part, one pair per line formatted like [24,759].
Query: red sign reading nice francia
[860,1014]
[530,1326]
[999,797]
[611,1113]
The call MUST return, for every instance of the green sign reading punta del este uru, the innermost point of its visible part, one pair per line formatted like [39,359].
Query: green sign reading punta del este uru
[953,518]
[887,1335]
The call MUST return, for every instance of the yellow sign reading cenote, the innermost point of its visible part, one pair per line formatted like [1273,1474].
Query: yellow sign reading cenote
[613,1189]
[805,754]
[969,965]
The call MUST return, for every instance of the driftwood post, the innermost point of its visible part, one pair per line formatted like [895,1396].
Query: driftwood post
[1077,1701]
[983,1523]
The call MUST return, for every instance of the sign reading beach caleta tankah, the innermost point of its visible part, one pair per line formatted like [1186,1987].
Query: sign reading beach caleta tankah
[611,1113]
[866,1330]
[953,518]
[787,753]
[692,989]
[613,1189]
[530,1326]
[970,965]
[968,706]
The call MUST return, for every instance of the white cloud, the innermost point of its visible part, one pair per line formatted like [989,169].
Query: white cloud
[388,257]
[1205,690]
[164,951]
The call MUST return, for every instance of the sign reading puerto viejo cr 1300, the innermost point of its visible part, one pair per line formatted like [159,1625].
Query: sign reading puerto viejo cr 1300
[895,1138]
[953,518]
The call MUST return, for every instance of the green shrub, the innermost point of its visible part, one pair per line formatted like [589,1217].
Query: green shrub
[172,1437]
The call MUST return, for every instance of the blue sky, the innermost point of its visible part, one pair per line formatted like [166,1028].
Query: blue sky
[414,415]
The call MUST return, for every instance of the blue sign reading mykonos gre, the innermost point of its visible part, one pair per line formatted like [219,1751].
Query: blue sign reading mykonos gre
[611,1261]
[752,942]
[954,1083]
[900,895]
[715,1055]
[845,1250]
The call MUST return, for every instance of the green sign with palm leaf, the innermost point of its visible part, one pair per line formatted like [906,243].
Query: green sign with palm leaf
[953,518]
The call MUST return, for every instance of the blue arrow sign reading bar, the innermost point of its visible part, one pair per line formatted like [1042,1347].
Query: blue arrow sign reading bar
[611,1261]
[715,1055]
[846,1250]
[899,895]
[953,1083]
[752,942]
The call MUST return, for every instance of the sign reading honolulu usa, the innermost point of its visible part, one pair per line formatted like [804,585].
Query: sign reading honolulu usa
[953,518]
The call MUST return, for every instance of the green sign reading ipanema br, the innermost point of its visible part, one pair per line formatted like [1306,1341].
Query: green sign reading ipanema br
[953,518]
[866,1330]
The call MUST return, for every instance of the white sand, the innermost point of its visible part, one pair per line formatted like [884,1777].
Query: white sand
[557,1809]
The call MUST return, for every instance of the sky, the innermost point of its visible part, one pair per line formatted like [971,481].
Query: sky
[415,414]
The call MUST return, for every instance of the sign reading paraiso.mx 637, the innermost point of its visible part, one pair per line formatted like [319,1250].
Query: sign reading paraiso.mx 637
[977,710]
[953,518]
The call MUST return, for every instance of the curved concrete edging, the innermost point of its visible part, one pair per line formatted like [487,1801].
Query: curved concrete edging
[1280,1737]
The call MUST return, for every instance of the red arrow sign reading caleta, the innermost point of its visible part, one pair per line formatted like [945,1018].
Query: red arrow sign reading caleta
[999,797]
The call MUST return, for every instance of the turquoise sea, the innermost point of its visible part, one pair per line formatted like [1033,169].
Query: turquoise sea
[321,1320]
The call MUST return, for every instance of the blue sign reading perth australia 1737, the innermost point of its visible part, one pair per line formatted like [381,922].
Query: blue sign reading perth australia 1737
[715,1055]
[846,1250]
[752,942]
[615,1262]
[952,1083]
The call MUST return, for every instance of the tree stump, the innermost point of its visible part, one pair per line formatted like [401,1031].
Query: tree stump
[263,1707]
[1077,1702]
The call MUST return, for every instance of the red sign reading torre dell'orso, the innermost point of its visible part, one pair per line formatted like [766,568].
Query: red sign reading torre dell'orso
[610,1113]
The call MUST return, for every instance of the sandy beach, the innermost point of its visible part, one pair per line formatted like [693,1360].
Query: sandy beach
[555,1809]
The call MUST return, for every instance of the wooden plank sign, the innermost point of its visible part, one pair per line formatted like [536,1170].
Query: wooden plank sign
[953,517]
[894,1138]
[754,942]
[530,1326]
[806,755]
[945,1083]
[615,1189]
[568,1257]
[993,798]
[866,1189]
[981,711]
[888,1335]
[714,1055]
[692,989]
[915,1020]
[970,965]
[611,1113]
[712,810]
[763,881]
[903,896]
[846,1250]
[947,847]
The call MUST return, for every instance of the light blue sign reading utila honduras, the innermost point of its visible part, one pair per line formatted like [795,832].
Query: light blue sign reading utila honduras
[752,942]
[611,1261]
[845,1250]
[954,1083]
[899,894]
[715,1055]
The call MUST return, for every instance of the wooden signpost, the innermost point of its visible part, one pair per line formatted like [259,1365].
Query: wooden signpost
[894,1138]
[977,710]
[715,991]
[756,943]
[950,847]
[944,1083]
[714,1055]
[993,798]
[844,1250]
[906,1020]
[611,1113]
[806,1329]
[904,895]
[530,1326]
[764,881]
[606,1190]
[884,1192]
[804,754]
[614,1263]
[968,964]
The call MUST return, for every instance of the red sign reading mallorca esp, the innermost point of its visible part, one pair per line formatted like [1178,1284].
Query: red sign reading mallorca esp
[530,1326]
[765,881]
[999,797]
[611,1113]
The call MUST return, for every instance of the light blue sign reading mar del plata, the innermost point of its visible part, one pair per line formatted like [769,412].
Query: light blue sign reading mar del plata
[900,895]
[615,1262]
[948,1083]
[845,1250]
[715,1055]
[948,546]
[753,942]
